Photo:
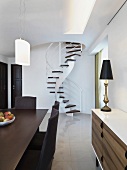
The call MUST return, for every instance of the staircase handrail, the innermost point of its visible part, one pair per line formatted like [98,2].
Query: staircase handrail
[81,90]
[75,84]
[47,62]
[46,55]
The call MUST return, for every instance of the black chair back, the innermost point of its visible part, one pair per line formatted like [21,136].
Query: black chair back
[56,105]
[25,102]
[49,144]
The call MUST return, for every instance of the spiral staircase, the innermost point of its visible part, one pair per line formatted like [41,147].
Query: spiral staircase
[57,81]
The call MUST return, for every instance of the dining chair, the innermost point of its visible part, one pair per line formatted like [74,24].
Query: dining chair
[42,160]
[37,141]
[56,105]
[25,102]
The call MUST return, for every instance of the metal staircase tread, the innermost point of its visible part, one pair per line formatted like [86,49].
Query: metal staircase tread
[54,87]
[69,60]
[51,82]
[65,101]
[73,55]
[62,97]
[53,77]
[73,111]
[70,105]
[76,46]
[72,43]
[57,71]
[57,92]
[64,65]
[51,87]
[73,51]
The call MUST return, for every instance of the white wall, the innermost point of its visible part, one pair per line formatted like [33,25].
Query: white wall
[3,59]
[118,54]
[117,45]
[34,78]
[35,75]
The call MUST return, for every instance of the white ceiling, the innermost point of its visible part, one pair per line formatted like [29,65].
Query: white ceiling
[48,20]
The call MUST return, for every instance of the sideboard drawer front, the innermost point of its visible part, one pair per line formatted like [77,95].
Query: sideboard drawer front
[109,161]
[97,121]
[116,145]
[98,141]
[111,155]
[105,165]
[97,133]
[97,146]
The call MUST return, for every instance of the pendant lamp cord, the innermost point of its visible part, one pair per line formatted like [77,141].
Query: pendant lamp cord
[22,18]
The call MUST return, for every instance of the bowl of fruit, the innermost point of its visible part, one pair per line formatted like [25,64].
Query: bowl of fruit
[6,118]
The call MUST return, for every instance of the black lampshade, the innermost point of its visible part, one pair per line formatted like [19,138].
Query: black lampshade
[106,71]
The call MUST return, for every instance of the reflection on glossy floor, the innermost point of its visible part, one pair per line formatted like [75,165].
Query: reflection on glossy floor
[74,150]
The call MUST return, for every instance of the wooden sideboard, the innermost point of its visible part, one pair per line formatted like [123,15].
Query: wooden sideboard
[109,138]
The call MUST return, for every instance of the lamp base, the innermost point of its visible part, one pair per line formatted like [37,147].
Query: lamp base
[106,109]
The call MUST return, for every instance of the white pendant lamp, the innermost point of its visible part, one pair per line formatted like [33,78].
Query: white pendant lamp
[22,52]
[22,47]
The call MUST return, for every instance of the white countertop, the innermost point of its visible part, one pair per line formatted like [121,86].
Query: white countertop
[116,120]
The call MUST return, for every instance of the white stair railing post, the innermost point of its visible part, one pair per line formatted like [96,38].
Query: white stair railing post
[80,89]
[80,99]
[59,53]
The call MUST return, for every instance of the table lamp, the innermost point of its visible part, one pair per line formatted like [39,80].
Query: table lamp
[106,74]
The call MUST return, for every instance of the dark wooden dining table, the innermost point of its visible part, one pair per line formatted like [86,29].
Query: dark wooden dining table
[15,137]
